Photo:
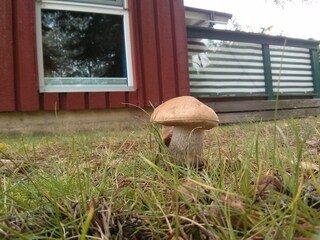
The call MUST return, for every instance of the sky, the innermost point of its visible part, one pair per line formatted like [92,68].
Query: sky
[296,19]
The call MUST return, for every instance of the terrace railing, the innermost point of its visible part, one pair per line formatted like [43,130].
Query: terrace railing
[232,63]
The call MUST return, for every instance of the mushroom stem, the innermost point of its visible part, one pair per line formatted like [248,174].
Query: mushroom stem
[186,145]
[166,135]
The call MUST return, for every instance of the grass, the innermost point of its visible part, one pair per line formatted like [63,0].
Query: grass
[261,181]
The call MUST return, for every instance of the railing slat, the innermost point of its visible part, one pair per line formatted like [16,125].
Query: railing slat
[315,71]
[267,71]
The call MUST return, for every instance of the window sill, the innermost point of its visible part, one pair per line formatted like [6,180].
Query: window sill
[66,89]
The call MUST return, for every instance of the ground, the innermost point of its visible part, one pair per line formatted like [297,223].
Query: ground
[260,181]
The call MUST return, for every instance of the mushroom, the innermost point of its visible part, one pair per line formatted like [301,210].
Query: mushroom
[189,118]
[166,135]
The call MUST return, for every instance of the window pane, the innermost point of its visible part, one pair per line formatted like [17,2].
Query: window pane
[86,47]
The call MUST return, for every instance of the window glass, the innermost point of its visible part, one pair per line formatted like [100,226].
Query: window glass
[83,51]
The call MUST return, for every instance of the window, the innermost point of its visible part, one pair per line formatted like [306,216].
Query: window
[83,46]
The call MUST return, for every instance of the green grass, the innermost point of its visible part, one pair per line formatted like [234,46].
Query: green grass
[117,185]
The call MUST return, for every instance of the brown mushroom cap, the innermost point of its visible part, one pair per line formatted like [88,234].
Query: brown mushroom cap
[185,111]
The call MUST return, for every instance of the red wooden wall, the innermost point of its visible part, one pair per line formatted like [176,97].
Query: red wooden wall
[159,48]
[7,98]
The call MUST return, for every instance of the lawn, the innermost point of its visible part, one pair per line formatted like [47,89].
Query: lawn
[260,181]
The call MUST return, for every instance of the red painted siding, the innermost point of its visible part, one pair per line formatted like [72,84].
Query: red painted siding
[72,101]
[165,50]
[49,101]
[116,100]
[148,46]
[136,97]
[26,83]
[97,100]
[7,98]
[159,49]
[180,44]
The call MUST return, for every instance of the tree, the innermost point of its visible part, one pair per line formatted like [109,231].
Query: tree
[282,3]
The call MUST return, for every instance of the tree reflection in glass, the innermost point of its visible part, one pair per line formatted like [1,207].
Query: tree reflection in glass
[82,45]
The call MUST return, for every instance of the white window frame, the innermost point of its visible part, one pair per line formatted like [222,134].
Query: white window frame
[90,8]
[108,2]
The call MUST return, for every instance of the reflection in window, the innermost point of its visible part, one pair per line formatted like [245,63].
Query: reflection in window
[83,50]
[79,44]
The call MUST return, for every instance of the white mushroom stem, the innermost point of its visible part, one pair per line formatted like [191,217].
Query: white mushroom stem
[186,144]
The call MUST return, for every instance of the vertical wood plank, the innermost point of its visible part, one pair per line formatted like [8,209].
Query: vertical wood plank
[116,100]
[26,82]
[49,101]
[97,100]
[165,49]
[72,101]
[135,97]
[180,48]
[7,98]
[148,53]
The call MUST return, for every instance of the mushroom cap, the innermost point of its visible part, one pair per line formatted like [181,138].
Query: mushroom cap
[185,111]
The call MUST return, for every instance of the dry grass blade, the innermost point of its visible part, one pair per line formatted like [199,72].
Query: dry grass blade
[199,225]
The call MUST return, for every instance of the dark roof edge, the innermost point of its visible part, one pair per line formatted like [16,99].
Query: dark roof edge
[201,10]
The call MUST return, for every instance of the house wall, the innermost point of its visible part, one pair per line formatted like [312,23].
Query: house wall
[159,49]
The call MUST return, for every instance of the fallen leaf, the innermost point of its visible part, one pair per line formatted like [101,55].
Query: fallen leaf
[309,166]
[313,142]
[268,182]
[3,145]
